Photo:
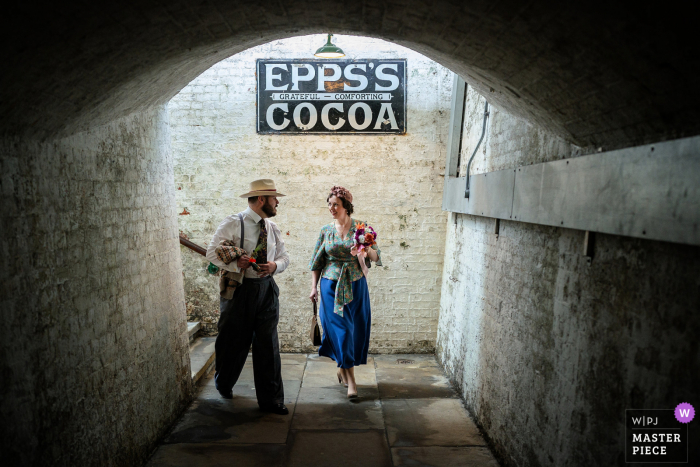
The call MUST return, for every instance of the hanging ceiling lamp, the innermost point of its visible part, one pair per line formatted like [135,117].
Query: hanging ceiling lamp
[329,50]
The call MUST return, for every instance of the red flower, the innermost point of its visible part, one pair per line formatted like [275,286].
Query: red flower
[252,260]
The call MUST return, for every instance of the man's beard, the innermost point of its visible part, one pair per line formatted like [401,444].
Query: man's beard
[269,210]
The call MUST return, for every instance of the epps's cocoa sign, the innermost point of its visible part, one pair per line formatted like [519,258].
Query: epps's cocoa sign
[331,96]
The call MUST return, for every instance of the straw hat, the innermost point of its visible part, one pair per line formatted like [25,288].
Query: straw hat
[262,187]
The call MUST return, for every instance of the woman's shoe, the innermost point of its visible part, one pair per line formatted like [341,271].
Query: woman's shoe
[340,379]
[352,395]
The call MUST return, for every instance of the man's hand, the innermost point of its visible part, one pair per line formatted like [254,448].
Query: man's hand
[244,262]
[267,269]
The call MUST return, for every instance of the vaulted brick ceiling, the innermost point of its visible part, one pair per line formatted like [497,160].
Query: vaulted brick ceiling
[599,75]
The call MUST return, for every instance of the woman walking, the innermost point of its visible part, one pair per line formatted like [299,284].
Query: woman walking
[345,308]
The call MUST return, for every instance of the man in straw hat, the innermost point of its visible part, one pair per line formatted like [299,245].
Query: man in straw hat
[252,313]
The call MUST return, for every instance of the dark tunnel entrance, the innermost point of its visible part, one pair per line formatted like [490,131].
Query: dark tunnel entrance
[96,329]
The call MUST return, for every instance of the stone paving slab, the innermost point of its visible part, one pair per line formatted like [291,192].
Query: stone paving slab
[429,422]
[212,419]
[292,372]
[322,373]
[438,456]
[407,414]
[339,449]
[245,390]
[413,383]
[247,372]
[316,360]
[213,455]
[292,369]
[405,361]
[293,358]
[330,409]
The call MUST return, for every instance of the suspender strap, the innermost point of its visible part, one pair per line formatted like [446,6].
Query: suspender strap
[240,217]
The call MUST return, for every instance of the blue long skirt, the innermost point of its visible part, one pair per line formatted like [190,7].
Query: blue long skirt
[345,339]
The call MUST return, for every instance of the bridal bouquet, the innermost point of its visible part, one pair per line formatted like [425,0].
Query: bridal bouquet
[365,237]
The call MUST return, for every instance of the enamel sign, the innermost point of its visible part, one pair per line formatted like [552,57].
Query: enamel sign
[331,96]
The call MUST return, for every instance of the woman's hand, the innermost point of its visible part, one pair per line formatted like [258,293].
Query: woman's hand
[368,252]
[372,254]
[315,275]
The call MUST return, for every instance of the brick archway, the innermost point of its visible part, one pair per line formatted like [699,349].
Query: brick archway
[598,76]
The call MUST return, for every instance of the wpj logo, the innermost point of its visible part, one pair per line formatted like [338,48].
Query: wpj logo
[684,412]
[656,436]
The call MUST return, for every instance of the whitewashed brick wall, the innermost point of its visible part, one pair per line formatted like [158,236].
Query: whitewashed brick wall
[546,349]
[396,182]
[94,356]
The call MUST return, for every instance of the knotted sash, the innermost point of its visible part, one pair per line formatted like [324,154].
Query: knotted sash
[343,290]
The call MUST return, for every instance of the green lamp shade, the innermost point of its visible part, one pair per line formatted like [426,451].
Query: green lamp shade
[329,50]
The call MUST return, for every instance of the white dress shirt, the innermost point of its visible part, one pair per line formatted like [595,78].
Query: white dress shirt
[230,229]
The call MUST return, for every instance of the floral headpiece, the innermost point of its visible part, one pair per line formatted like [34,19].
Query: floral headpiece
[341,192]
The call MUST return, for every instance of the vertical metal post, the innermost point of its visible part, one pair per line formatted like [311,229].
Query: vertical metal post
[454,139]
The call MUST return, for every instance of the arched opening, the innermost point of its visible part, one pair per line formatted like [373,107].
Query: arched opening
[87,175]
[396,180]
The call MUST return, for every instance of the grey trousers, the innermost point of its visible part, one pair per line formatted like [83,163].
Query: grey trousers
[251,316]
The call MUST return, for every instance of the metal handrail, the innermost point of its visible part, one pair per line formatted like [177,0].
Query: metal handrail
[193,246]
